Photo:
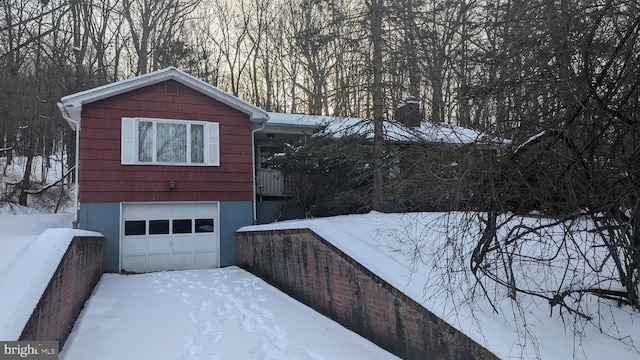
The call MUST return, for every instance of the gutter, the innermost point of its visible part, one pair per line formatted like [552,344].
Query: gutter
[253,169]
[75,125]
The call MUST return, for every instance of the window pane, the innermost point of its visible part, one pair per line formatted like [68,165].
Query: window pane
[197,144]
[136,227]
[145,141]
[182,226]
[171,142]
[204,225]
[157,227]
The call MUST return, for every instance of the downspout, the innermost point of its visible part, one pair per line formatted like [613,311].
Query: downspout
[75,125]
[253,170]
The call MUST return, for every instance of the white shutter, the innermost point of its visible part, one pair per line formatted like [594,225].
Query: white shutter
[213,146]
[128,155]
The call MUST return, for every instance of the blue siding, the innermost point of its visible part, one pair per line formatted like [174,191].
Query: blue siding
[272,210]
[105,218]
[233,215]
[268,211]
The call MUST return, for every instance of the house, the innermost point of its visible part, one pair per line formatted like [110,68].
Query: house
[420,153]
[169,167]
[165,170]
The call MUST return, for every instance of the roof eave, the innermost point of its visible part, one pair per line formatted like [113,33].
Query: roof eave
[77,100]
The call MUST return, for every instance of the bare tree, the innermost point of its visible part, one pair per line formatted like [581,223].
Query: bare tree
[575,158]
[152,26]
[376,10]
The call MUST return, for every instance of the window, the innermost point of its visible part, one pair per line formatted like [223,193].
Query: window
[161,227]
[204,225]
[135,227]
[182,226]
[158,227]
[169,142]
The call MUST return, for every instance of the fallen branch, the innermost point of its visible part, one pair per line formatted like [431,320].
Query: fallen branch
[39,191]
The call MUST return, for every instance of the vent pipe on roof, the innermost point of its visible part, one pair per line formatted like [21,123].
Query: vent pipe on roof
[408,112]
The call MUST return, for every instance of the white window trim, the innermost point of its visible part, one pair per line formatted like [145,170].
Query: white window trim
[130,146]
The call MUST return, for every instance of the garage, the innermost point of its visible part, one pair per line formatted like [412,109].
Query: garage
[169,236]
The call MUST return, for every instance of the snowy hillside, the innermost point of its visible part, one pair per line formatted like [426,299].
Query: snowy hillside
[57,199]
[412,252]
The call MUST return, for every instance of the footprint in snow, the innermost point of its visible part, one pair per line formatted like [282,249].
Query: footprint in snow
[207,328]
[186,297]
[203,306]
[216,337]
[193,317]
[274,344]
[315,356]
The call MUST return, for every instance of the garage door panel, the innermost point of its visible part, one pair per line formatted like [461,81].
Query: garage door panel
[161,211]
[135,246]
[183,261]
[204,243]
[182,244]
[135,263]
[206,260]
[159,262]
[159,245]
[204,210]
[182,211]
[134,211]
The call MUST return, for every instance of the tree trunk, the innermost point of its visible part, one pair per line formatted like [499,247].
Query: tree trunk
[25,184]
[378,100]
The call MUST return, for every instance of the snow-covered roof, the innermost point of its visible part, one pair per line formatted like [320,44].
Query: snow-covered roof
[71,105]
[394,131]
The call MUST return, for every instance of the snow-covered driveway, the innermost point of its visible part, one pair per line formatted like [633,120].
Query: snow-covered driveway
[205,314]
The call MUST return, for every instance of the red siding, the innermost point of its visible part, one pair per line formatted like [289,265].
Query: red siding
[103,179]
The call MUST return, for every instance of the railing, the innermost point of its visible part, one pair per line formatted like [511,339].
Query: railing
[271,182]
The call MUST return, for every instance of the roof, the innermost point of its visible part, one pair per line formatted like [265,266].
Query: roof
[71,105]
[394,131]
[282,123]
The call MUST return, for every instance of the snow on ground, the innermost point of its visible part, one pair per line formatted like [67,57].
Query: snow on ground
[406,250]
[228,313]
[205,314]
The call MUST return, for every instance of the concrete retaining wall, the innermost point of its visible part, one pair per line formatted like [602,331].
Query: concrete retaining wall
[68,290]
[315,272]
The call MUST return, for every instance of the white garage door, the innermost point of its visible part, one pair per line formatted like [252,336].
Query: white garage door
[169,236]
